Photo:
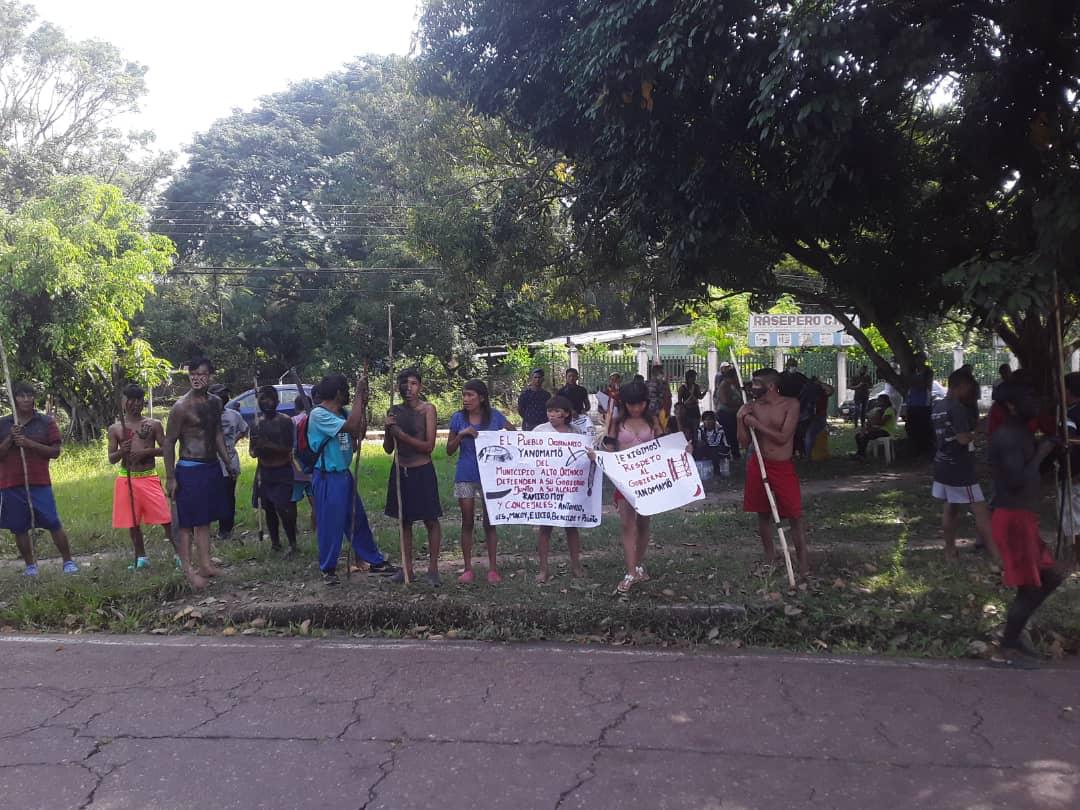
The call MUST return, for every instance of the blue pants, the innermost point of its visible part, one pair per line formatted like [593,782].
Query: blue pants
[335,498]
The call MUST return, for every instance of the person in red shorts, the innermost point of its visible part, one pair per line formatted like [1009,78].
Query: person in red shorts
[774,417]
[136,444]
[1027,563]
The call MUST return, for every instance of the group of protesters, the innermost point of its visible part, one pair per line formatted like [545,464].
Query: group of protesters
[311,456]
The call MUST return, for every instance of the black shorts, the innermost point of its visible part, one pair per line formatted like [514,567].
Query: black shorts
[275,486]
[419,492]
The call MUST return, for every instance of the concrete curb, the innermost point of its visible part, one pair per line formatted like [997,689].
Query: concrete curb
[444,615]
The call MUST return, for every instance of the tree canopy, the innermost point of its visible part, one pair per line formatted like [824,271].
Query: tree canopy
[345,193]
[59,101]
[880,145]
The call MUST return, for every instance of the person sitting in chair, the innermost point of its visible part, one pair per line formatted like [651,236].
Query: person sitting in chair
[880,422]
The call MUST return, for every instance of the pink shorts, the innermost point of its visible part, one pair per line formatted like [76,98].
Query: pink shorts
[151,508]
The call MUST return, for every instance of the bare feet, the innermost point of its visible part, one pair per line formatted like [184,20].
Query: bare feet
[211,571]
[577,572]
[197,582]
[543,578]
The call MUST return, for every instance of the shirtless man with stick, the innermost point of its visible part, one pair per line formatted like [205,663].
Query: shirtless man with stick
[775,418]
[137,496]
[195,481]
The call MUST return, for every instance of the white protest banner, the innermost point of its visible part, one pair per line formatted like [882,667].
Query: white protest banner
[654,477]
[538,479]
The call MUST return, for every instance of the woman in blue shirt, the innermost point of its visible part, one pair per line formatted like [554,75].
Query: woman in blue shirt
[475,415]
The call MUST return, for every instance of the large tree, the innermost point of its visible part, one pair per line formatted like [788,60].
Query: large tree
[879,145]
[59,103]
[77,264]
[380,196]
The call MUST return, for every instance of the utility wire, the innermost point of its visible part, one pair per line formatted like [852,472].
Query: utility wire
[297,270]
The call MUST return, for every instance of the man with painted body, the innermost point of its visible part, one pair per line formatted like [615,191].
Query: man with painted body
[195,481]
[774,417]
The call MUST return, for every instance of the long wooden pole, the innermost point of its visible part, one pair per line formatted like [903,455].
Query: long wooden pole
[1063,425]
[256,501]
[768,486]
[127,466]
[397,468]
[22,450]
[355,484]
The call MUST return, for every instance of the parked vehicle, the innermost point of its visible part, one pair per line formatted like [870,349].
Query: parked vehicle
[248,405]
[937,391]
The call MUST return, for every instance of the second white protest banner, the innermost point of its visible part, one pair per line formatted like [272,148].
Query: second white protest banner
[539,479]
[656,476]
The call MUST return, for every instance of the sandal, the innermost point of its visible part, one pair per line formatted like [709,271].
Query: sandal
[626,584]
[640,575]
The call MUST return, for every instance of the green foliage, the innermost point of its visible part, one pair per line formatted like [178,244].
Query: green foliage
[720,138]
[354,170]
[60,98]
[78,264]
[724,319]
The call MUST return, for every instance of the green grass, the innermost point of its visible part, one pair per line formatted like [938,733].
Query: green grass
[881,583]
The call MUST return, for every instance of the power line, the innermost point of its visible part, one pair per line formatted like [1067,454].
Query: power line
[297,270]
[322,289]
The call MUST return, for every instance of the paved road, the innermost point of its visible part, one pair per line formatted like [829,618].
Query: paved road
[129,722]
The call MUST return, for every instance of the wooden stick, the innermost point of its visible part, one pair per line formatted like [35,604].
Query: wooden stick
[127,465]
[255,500]
[356,486]
[768,486]
[397,467]
[22,450]
[1066,494]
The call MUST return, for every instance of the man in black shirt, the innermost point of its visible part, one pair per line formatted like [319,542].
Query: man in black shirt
[577,394]
[532,402]
[1027,563]
[272,439]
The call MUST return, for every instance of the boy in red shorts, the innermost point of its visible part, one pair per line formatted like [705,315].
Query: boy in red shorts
[774,418]
[1027,563]
[137,494]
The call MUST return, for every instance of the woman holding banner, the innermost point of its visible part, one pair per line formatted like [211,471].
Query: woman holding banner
[634,425]
[476,414]
[560,414]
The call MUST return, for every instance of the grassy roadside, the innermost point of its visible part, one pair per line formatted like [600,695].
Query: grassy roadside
[879,584]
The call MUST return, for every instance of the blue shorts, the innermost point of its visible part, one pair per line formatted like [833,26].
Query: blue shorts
[201,493]
[15,516]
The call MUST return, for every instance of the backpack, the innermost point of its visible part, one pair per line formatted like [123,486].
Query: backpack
[306,455]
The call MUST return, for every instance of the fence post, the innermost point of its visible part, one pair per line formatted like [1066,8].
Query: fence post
[643,360]
[957,357]
[574,358]
[778,359]
[841,377]
[1014,361]
[712,368]
[1075,364]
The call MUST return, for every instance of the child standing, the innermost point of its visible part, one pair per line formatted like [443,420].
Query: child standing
[476,414]
[137,494]
[635,425]
[560,414]
[410,428]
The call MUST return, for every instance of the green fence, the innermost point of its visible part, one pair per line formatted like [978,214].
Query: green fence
[595,371]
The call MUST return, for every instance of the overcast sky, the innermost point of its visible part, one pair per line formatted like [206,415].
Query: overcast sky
[206,57]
